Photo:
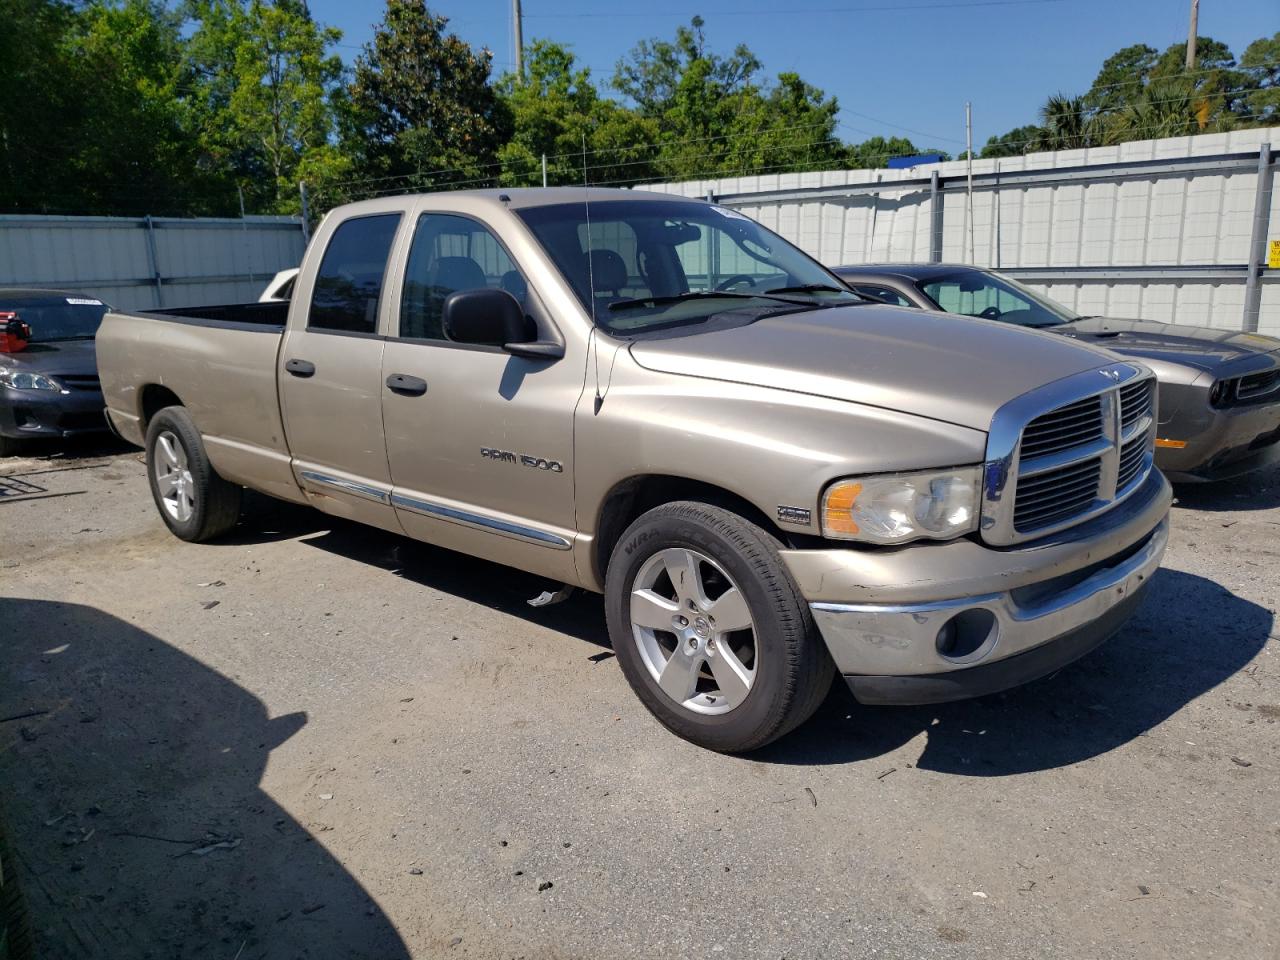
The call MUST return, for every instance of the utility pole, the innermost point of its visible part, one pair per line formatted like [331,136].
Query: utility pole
[516,16]
[968,139]
[1191,34]
[544,169]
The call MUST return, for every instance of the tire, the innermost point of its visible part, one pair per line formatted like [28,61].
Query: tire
[15,922]
[196,504]
[779,671]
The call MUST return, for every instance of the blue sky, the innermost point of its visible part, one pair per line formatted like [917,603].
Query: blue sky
[911,63]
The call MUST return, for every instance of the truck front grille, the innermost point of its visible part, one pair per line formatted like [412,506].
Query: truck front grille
[1069,426]
[1071,461]
[1057,495]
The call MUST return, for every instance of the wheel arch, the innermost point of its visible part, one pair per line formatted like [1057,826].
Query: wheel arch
[635,495]
[153,398]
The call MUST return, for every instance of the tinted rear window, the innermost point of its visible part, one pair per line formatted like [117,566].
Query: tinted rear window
[57,316]
[349,284]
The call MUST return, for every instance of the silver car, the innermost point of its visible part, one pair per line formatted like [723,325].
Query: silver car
[1219,389]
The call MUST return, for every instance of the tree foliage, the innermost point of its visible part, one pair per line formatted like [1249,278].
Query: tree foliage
[208,107]
[1142,93]
[424,109]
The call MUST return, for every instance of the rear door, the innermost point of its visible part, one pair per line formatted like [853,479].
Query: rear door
[330,371]
[480,442]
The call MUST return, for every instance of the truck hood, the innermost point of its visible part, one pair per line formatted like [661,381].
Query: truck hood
[1201,348]
[935,365]
[70,357]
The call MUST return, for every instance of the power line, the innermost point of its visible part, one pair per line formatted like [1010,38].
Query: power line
[882,8]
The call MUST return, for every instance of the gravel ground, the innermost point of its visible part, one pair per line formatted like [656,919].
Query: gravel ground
[319,740]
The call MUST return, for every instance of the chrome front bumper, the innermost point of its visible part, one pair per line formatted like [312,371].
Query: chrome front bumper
[901,639]
[1054,603]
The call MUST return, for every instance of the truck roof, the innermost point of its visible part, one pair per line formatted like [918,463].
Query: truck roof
[518,198]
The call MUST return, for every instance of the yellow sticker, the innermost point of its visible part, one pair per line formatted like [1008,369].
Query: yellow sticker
[1273,255]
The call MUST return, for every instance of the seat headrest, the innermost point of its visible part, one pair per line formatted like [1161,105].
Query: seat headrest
[608,271]
[458,273]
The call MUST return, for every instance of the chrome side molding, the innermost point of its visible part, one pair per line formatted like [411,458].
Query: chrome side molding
[352,487]
[429,508]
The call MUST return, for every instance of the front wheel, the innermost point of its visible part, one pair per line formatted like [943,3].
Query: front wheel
[194,502]
[710,630]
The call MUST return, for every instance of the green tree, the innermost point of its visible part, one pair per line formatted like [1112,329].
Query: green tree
[422,103]
[1260,64]
[1067,123]
[557,111]
[717,119]
[1015,143]
[78,83]
[271,84]
[1122,78]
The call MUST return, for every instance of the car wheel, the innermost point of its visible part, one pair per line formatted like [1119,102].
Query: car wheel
[710,630]
[194,502]
[15,923]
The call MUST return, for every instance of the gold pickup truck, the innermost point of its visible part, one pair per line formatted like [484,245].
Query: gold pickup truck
[770,480]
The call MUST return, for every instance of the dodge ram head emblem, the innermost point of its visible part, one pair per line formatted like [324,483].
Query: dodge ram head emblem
[1111,373]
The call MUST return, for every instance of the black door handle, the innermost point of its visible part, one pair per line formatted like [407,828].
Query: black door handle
[406,385]
[300,368]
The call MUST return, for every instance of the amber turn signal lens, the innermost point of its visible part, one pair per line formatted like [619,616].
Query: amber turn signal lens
[837,508]
[1171,444]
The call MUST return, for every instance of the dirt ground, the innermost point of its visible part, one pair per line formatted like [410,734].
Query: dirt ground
[317,740]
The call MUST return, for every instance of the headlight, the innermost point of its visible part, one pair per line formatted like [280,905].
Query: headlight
[21,380]
[935,505]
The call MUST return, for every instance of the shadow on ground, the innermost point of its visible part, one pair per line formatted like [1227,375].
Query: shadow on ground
[136,804]
[1189,635]
[1254,491]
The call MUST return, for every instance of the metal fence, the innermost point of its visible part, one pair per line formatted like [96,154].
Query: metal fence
[149,262]
[1172,229]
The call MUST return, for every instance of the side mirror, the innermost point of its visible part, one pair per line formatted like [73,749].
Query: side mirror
[485,316]
[494,318]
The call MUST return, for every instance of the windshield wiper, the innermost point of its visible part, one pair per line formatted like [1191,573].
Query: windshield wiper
[811,288]
[693,295]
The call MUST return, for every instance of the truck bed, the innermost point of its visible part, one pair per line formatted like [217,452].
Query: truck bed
[231,315]
[220,363]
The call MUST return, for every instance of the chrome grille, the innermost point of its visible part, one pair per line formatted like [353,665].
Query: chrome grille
[1048,498]
[1132,455]
[1135,402]
[1069,426]
[1067,452]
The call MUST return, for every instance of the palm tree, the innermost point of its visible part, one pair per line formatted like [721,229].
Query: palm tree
[1066,123]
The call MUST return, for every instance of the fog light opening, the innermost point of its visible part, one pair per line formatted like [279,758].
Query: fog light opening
[967,636]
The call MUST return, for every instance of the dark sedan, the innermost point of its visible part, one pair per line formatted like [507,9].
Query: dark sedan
[49,375]
[1219,390]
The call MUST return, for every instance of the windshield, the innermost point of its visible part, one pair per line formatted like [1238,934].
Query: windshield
[976,293]
[56,316]
[647,265]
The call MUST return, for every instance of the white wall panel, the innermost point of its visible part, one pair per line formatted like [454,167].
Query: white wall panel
[1199,219]
[199,261]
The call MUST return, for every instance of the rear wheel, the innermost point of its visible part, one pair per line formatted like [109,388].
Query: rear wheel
[710,630]
[194,502]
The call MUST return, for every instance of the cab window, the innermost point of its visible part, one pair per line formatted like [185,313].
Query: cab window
[451,253]
[348,286]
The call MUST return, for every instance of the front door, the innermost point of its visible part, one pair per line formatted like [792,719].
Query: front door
[330,375]
[479,442]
